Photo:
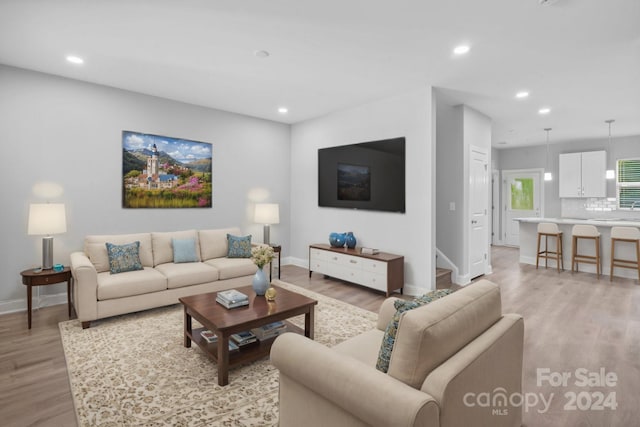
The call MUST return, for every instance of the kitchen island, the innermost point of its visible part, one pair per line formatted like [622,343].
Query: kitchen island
[529,234]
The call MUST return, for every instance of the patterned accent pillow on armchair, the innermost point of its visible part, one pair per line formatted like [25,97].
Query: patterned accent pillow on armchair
[401,306]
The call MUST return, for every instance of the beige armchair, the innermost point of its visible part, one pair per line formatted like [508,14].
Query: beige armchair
[445,355]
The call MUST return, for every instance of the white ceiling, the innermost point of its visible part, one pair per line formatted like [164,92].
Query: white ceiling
[579,57]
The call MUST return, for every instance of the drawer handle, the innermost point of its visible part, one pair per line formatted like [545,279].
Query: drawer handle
[335,258]
[353,261]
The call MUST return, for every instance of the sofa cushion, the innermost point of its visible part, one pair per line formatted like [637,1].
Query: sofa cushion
[431,334]
[123,258]
[213,243]
[184,250]
[187,274]
[131,283]
[162,247]
[402,306]
[239,246]
[233,267]
[96,250]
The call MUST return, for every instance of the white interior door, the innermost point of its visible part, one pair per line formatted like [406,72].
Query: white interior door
[523,199]
[478,207]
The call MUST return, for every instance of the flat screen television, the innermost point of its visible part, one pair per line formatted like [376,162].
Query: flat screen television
[369,175]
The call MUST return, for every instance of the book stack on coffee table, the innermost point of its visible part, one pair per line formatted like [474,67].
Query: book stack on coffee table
[232,298]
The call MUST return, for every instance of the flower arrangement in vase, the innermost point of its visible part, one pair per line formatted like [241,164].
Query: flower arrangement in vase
[261,256]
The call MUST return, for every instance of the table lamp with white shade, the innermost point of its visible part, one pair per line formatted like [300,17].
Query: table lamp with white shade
[267,214]
[47,219]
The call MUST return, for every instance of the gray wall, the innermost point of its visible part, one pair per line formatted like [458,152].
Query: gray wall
[69,133]
[535,157]
[458,128]
[449,181]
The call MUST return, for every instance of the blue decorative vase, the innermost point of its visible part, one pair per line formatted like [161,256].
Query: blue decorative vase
[337,240]
[350,239]
[260,282]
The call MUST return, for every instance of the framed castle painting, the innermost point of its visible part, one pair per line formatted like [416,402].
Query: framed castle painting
[165,172]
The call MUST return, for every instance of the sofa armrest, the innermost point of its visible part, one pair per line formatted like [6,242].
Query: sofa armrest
[342,390]
[386,312]
[85,287]
[490,364]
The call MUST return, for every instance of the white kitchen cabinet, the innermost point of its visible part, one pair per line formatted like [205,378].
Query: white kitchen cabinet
[583,174]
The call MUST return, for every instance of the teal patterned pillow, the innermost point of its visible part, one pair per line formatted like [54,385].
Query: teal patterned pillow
[184,250]
[389,339]
[239,247]
[124,257]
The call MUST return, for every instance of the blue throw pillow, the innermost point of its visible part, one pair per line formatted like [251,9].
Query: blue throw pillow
[124,257]
[239,247]
[402,306]
[184,250]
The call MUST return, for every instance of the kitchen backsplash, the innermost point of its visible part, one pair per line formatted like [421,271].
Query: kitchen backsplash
[595,207]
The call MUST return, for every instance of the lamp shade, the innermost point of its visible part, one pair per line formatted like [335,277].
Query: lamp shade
[46,219]
[267,213]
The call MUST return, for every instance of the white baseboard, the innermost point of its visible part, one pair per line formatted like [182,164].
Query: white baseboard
[463,280]
[299,262]
[12,306]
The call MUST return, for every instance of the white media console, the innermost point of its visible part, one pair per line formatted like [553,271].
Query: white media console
[382,271]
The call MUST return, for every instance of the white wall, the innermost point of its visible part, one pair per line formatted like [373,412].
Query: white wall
[69,133]
[408,234]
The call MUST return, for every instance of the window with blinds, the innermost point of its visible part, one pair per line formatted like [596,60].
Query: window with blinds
[628,183]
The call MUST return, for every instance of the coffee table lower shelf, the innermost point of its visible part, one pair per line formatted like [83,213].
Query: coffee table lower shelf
[249,353]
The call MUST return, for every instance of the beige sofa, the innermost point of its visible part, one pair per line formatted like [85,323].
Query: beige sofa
[98,293]
[445,355]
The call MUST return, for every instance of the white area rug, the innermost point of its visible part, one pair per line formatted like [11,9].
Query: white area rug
[133,370]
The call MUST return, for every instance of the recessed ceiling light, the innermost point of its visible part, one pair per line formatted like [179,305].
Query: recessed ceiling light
[75,59]
[261,53]
[461,50]
[502,143]
[283,110]
[522,94]
[545,110]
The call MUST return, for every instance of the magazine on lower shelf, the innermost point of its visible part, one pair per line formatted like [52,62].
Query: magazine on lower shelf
[270,330]
[244,338]
[211,337]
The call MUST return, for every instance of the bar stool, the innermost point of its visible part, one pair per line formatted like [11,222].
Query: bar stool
[549,229]
[629,235]
[590,232]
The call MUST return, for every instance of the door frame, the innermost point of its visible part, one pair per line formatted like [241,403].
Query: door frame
[506,192]
[496,194]
[467,216]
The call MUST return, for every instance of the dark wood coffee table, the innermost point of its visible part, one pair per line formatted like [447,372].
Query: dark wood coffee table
[226,322]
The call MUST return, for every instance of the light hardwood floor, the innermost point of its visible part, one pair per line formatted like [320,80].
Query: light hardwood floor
[572,320]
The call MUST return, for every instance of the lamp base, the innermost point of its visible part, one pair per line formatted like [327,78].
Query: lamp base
[266,234]
[47,253]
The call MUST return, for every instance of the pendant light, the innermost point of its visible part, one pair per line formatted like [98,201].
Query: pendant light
[548,176]
[611,174]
